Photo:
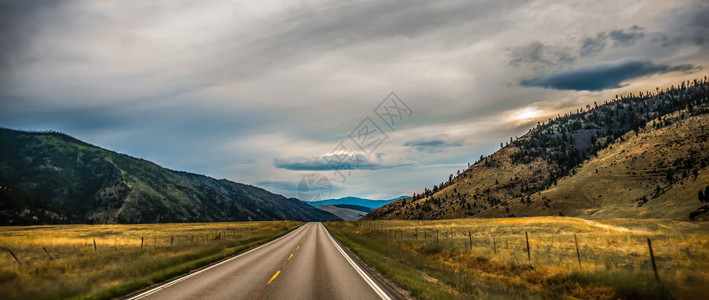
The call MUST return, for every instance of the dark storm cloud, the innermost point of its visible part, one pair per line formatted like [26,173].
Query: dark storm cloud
[322,163]
[602,77]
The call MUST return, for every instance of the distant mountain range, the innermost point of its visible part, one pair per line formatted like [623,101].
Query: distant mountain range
[49,177]
[355,201]
[347,212]
[642,156]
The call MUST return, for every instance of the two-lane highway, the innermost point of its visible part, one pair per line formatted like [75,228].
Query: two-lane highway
[304,264]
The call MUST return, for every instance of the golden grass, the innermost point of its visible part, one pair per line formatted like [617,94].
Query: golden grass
[614,254]
[60,261]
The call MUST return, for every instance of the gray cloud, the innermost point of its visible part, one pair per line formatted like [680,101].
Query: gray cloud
[540,56]
[19,23]
[593,45]
[544,58]
[326,163]
[626,38]
[433,145]
[602,77]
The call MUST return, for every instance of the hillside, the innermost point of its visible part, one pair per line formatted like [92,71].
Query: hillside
[637,156]
[346,212]
[354,201]
[48,178]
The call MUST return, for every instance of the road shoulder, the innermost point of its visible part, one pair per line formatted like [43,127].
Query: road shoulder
[389,287]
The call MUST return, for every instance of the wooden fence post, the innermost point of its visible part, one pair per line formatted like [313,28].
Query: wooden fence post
[470,240]
[141,242]
[172,240]
[436,236]
[508,248]
[45,252]
[95,250]
[529,256]
[14,256]
[494,244]
[652,257]
[578,255]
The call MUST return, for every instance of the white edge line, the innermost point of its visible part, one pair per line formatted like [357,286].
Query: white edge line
[364,275]
[175,281]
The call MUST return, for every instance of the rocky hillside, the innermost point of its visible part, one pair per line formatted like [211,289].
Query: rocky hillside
[48,178]
[641,155]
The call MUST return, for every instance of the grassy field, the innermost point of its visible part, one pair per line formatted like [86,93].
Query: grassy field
[488,258]
[105,261]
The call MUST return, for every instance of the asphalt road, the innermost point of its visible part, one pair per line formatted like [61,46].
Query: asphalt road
[304,264]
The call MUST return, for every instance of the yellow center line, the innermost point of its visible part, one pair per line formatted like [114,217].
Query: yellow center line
[291,255]
[296,248]
[274,276]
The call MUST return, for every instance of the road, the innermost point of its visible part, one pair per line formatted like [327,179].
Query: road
[304,264]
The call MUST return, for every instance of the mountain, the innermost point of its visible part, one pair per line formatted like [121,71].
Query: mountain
[354,201]
[346,212]
[641,156]
[50,177]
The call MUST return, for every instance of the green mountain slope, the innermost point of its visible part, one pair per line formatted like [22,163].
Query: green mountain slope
[636,156]
[54,178]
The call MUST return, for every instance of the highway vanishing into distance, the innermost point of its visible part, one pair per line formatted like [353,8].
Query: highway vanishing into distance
[307,263]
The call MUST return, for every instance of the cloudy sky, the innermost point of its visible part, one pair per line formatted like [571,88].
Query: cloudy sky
[265,92]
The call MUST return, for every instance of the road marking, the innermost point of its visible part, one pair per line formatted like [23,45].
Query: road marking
[291,255]
[168,284]
[364,276]
[296,248]
[274,276]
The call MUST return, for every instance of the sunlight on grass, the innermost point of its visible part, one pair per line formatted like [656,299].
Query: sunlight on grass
[466,257]
[62,261]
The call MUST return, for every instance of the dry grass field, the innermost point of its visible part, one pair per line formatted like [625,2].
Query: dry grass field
[488,258]
[104,261]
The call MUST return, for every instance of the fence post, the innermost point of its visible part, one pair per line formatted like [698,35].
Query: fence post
[141,242]
[578,255]
[14,256]
[45,252]
[95,250]
[172,240]
[529,256]
[470,240]
[436,236]
[508,248]
[652,257]
[494,244]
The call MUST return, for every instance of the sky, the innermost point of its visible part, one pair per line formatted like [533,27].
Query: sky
[374,99]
